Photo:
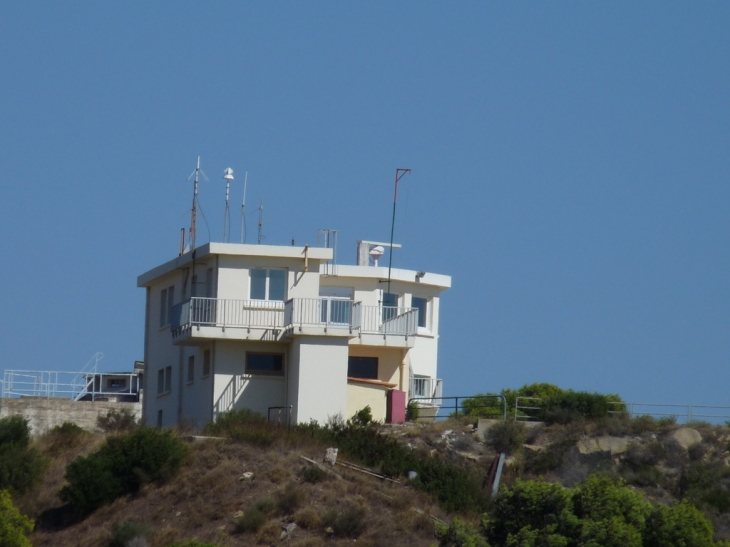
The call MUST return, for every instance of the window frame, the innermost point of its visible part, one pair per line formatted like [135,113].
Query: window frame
[261,372]
[207,360]
[267,284]
[167,302]
[426,319]
[352,358]
[191,369]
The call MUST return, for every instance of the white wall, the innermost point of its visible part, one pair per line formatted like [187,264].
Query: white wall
[235,389]
[321,369]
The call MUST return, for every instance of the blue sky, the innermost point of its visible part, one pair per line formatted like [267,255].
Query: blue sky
[570,171]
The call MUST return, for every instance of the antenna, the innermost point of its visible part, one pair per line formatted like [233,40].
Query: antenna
[228,176]
[399,173]
[261,220]
[194,211]
[243,210]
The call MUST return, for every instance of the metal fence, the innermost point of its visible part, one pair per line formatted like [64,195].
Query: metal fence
[385,320]
[71,385]
[482,406]
[324,312]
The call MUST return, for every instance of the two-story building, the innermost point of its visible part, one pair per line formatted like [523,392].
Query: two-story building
[280,330]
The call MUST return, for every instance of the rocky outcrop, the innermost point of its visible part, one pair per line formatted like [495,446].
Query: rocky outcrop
[686,437]
[606,443]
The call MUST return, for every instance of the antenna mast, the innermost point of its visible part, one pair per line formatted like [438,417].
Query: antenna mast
[261,220]
[228,176]
[243,210]
[398,175]
[194,211]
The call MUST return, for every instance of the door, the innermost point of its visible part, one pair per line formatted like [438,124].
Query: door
[336,305]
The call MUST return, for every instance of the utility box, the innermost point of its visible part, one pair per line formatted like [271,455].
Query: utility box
[396,407]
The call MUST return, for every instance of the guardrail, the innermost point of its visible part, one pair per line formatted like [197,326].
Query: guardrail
[72,385]
[425,390]
[485,406]
[385,320]
[223,312]
[326,312]
[530,412]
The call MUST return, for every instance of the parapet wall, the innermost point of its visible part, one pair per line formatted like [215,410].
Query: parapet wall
[44,414]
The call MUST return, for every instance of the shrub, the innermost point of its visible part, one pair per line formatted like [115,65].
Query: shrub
[21,466]
[680,524]
[124,533]
[269,533]
[349,522]
[251,521]
[313,474]
[506,436]
[459,534]
[14,527]
[117,421]
[307,518]
[566,406]
[363,417]
[266,505]
[289,499]
[549,459]
[412,411]
[121,466]
[645,423]
[192,543]
[243,425]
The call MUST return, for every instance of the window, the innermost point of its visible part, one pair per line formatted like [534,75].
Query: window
[206,363]
[161,381]
[117,383]
[421,304]
[268,284]
[167,300]
[164,380]
[159,418]
[191,369]
[168,379]
[209,283]
[271,364]
[363,367]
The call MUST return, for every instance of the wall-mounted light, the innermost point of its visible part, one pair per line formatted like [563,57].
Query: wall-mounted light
[419,275]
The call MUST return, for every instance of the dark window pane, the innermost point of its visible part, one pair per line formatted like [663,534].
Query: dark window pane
[277,284]
[264,363]
[258,284]
[363,367]
[420,305]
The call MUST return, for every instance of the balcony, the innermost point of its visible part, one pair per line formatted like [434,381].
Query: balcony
[426,391]
[217,318]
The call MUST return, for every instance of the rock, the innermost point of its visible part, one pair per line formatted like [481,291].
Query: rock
[446,434]
[238,514]
[287,530]
[606,443]
[247,476]
[329,530]
[330,456]
[534,447]
[686,437]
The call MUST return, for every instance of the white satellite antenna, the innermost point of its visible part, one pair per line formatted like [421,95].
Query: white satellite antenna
[375,253]
[228,177]
[243,210]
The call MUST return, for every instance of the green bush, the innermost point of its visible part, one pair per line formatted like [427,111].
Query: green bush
[21,466]
[289,498]
[549,459]
[459,534]
[117,421]
[412,411]
[363,417]
[313,475]
[14,527]
[251,521]
[125,532]
[569,405]
[506,436]
[680,525]
[67,429]
[349,522]
[121,466]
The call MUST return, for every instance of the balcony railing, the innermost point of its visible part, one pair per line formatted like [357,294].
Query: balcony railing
[384,320]
[426,391]
[296,312]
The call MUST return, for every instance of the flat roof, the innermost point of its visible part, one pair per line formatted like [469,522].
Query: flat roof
[319,254]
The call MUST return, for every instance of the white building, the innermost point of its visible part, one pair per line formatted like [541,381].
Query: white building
[283,331]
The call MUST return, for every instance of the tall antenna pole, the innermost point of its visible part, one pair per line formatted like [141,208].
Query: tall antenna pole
[398,175]
[261,220]
[194,216]
[228,176]
[243,210]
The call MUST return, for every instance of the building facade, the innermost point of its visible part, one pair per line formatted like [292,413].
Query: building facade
[284,332]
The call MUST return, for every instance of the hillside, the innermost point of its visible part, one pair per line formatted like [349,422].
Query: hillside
[222,480]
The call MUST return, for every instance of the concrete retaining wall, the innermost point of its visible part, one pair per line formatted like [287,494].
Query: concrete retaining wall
[44,414]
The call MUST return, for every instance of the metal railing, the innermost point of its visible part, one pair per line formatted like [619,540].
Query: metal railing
[296,312]
[223,313]
[529,411]
[325,312]
[481,406]
[425,390]
[72,385]
[686,413]
[385,320]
